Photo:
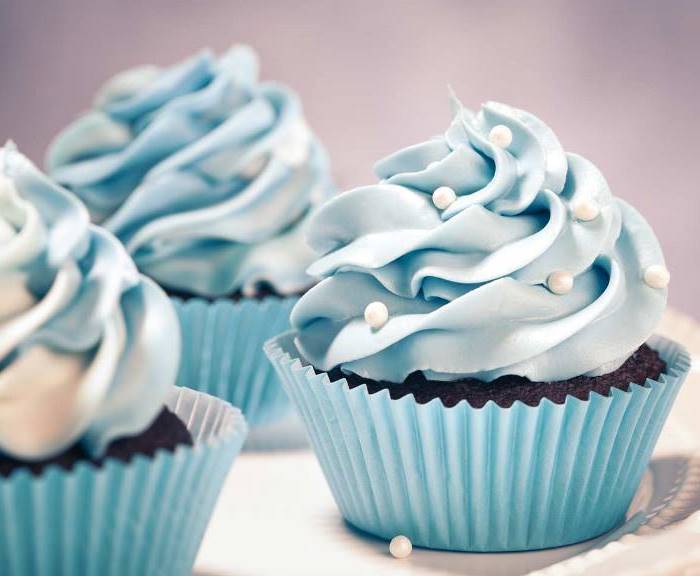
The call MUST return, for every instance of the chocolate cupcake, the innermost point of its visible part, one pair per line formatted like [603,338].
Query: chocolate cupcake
[208,177]
[475,370]
[90,422]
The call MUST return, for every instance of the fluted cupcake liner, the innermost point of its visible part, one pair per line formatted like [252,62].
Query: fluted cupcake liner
[222,353]
[481,479]
[144,517]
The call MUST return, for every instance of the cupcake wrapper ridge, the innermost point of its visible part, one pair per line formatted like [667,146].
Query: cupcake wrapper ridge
[222,353]
[147,516]
[481,479]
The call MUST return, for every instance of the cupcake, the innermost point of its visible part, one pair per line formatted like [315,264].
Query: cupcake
[104,464]
[477,369]
[208,177]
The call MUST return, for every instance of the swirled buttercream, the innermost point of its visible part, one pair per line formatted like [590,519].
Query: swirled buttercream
[529,267]
[206,175]
[88,347]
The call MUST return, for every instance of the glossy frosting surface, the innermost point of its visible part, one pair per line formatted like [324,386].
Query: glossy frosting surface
[205,174]
[88,347]
[466,287]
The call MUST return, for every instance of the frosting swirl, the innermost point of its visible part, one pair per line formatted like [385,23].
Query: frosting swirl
[206,175]
[534,269]
[88,347]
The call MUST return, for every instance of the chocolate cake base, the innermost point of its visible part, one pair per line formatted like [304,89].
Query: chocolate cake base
[166,433]
[504,391]
[262,291]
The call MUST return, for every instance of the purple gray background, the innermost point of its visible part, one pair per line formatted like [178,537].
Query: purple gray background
[617,81]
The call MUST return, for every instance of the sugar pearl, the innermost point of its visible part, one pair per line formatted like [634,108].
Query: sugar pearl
[560,282]
[501,136]
[376,314]
[253,168]
[249,290]
[400,547]
[293,149]
[586,210]
[443,197]
[657,276]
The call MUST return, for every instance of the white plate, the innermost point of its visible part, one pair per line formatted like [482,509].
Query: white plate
[276,514]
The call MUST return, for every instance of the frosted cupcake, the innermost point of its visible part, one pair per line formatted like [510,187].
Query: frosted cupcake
[97,447]
[476,370]
[208,178]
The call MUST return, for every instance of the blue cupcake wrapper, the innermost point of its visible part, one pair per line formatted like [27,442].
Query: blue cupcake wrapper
[147,516]
[222,353]
[481,479]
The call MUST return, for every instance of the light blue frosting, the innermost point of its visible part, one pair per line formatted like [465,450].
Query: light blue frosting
[88,347]
[466,287]
[206,175]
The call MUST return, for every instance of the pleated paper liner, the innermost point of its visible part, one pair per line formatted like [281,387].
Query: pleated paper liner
[144,517]
[481,479]
[222,353]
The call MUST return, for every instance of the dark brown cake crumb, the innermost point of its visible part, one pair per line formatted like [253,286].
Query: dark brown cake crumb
[166,433]
[504,391]
[262,291]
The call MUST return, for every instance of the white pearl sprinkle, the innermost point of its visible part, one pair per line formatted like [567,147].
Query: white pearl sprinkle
[253,168]
[376,314]
[657,276]
[586,210]
[560,282]
[293,149]
[443,197]
[249,290]
[400,547]
[501,136]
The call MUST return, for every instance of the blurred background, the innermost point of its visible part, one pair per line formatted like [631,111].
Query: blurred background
[616,80]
